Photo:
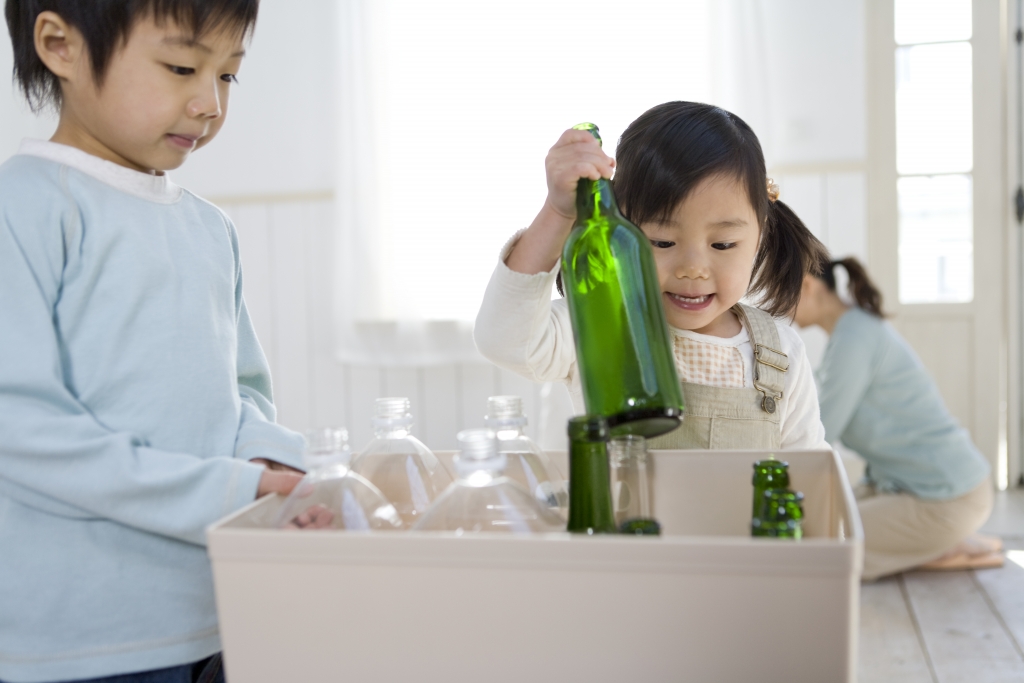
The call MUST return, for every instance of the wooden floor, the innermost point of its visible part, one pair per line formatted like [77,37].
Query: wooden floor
[948,627]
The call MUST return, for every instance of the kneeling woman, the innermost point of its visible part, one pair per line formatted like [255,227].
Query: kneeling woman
[927,488]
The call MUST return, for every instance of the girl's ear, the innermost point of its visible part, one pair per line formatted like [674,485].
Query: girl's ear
[59,45]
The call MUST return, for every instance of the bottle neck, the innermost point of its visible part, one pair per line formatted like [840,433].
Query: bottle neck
[590,497]
[594,198]
[480,471]
[391,431]
[505,428]
[509,433]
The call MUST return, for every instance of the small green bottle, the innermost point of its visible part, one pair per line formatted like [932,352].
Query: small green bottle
[627,369]
[768,474]
[782,515]
[590,491]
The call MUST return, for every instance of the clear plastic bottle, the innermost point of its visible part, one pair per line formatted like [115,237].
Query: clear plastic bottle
[328,445]
[407,472]
[332,494]
[527,464]
[482,499]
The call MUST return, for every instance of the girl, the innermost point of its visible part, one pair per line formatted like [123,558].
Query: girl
[927,488]
[692,177]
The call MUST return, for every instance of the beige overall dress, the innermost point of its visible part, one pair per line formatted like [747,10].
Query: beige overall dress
[734,418]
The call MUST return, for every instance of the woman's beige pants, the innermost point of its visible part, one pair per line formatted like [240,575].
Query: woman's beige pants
[902,531]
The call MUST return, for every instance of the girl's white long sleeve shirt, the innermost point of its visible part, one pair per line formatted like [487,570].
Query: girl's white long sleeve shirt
[520,328]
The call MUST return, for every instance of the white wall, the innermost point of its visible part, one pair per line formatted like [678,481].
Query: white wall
[16,120]
[794,71]
[279,137]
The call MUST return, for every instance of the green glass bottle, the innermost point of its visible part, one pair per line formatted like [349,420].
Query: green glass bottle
[781,516]
[590,490]
[768,474]
[627,369]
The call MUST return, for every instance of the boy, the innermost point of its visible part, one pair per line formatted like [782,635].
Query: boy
[135,404]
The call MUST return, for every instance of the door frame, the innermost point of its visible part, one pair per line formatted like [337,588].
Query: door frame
[988,343]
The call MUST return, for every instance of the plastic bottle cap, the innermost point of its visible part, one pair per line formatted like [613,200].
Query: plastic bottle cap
[505,412]
[478,451]
[393,412]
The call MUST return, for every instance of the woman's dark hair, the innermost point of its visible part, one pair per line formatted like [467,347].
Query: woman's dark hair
[860,286]
[663,156]
[105,26]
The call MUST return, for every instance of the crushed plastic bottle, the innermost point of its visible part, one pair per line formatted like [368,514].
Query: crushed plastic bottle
[396,462]
[527,464]
[482,499]
[331,495]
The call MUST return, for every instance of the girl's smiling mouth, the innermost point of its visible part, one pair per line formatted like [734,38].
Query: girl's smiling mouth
[690,303]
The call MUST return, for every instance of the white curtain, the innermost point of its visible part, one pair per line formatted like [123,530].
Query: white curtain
[447,109]
[794,71]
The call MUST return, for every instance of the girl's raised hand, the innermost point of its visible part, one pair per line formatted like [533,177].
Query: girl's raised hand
[576,155]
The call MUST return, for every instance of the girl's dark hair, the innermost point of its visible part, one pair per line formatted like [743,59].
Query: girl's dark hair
[105,26]
[664,154]
[860,287]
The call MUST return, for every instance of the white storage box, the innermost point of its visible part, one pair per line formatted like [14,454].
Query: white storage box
[704,602]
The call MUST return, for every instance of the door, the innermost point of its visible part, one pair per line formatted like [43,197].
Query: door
[937,201]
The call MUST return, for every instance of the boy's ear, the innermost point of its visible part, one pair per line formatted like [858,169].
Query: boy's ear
[807,285]
[59,45]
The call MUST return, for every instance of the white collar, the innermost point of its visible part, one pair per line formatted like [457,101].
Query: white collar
[740,338]
[154,188]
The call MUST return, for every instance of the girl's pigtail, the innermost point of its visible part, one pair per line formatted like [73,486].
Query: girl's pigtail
[861,288]
[788,250]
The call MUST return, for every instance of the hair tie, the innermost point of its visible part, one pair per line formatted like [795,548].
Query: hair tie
[773,191]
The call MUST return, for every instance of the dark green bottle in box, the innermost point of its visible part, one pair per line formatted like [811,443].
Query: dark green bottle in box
[768,474]
[627,369]
[590,487]
[781,515]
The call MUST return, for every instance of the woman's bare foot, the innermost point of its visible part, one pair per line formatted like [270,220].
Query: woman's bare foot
[962,561]
[967,555]
[982,544]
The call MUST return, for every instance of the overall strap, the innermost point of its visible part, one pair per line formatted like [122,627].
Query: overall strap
[770,364]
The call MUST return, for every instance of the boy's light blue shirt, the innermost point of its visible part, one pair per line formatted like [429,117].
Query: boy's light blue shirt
[877,398]
[133,392]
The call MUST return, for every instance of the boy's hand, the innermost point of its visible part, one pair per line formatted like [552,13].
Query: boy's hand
[274,465]
[277,482]
[576,155]
[316,517]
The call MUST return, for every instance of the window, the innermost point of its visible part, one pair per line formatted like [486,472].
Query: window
[468,96]
[934,150]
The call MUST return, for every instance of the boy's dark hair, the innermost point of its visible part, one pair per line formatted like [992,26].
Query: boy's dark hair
[105,26]
[864,292]
[664,154]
